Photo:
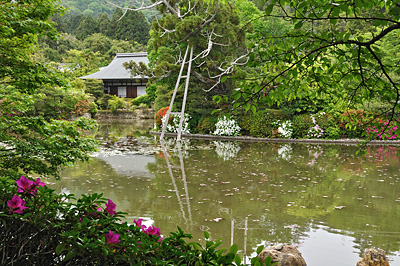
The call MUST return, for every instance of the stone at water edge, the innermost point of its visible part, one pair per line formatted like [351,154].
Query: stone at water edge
[373,257]
[285,255]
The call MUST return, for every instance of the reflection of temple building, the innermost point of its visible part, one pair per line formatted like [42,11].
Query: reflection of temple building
[131,165]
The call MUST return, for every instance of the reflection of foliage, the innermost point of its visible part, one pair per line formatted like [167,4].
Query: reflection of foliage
[382,154]
[314,151]
[285,152]
[226,150]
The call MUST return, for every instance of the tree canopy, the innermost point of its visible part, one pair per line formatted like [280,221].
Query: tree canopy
[344,48]
[29,143]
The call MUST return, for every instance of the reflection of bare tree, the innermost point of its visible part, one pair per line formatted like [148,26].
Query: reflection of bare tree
[182,168]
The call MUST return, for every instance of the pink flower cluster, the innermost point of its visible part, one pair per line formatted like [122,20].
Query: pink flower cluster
[28,186]
[381,134]
[151,230]
[112,238]
[17,204]
[315,131]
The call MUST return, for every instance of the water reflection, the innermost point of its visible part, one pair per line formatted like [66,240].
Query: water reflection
[328,200]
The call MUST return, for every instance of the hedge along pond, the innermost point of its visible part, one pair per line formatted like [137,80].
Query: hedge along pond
[326,199]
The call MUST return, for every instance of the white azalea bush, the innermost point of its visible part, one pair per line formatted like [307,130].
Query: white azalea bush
[226,127]
[172,126]
[286,129]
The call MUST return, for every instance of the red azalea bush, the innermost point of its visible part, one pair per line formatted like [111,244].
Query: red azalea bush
[41,227]
[159,115]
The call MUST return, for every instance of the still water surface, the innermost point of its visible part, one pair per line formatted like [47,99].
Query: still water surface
[325,199]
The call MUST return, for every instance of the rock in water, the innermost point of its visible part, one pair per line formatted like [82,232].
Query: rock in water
[285,255]
[373,257]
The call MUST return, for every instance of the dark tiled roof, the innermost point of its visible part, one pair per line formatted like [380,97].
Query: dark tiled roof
[115,69]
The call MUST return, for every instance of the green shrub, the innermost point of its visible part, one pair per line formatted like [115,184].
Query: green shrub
[40,227]
[353,123]
[262,122]
[206,124]
[332,132]
[94,87]
[244,121]
[116,103]
[103,102]
[93,109]
[301,124]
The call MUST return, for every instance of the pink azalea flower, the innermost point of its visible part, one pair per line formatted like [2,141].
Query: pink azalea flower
[98,209]
[138,223]
[16,204]
[112,238]
[110,208]
[38,183]
[28,186]
[24,185]
[152,230]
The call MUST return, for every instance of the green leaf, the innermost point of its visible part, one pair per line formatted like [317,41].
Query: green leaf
[238,260]
[234,248]
[215,111]
[60,248]
[217,99]
[268,9]
[346,37]
[206,235]
[209,243]
[253,108]
[223,79]
[259,249]
[69,256]
[267,261]
[298,25]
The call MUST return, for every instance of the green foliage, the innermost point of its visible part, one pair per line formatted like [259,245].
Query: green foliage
[116,103]
[353,123]
[148,98]
[83,62]
[165,48]
[23,22]
[55,103]
[206,124]
[89,231]
[263,122]
[33,145]
[103,102]
[93,110]
[87,27]
[350,61]
[301,125]
[132,27]
[94,87]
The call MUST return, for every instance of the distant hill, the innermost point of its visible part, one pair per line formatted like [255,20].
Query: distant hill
[97,7]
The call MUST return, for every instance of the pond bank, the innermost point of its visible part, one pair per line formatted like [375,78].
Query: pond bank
[125,115]
[276,140]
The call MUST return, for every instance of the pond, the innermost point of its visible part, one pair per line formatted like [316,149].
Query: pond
[327,200]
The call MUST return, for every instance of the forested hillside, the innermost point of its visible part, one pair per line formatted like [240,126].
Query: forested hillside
[97,8]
